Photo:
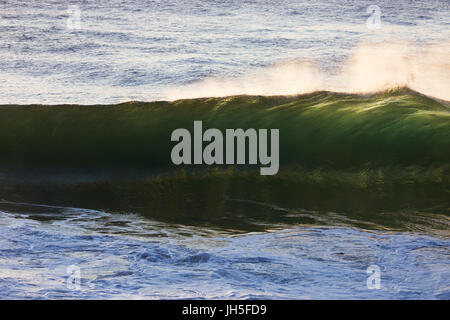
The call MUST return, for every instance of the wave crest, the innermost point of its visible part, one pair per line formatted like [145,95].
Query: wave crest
[370,68]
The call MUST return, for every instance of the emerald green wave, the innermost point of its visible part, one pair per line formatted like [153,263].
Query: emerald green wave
[359,158]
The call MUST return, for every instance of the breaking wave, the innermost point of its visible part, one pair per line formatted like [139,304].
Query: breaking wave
[361,155]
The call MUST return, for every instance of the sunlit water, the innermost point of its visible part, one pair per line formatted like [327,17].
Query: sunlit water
[148,50]
[126,256]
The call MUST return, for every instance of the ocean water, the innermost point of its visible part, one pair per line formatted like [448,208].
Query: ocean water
[128,257]
[87,192]
[153,50]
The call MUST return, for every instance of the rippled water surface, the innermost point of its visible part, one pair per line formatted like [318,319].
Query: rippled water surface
[126,256]
[147,50]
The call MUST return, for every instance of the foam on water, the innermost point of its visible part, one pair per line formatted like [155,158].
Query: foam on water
[125,256]
[133,50]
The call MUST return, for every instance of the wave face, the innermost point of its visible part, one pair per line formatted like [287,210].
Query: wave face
[344,158]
